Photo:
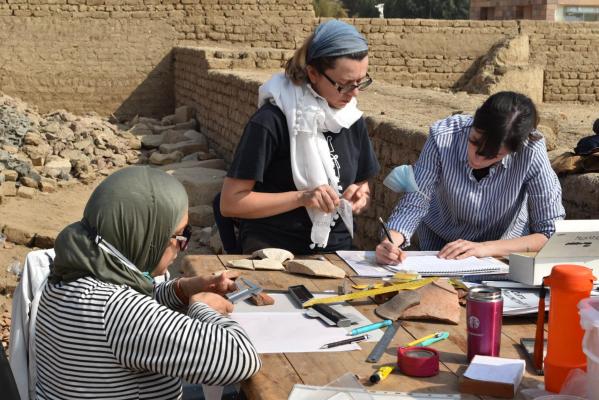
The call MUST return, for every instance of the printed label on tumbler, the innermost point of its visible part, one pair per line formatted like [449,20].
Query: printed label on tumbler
[473,322]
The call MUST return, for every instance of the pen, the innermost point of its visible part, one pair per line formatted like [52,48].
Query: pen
[429,339]
[369,327]
[381,374]
[345,341]
[437,338]
[386,230]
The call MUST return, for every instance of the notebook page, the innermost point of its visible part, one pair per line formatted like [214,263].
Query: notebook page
[425,263]
[432,265]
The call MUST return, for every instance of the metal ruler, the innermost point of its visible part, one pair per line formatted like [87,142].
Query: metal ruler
[246,289]
[382,344]
[371,292]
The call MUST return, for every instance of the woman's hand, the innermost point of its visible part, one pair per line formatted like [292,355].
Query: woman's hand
[359,195]
[323,197]
[223,283]
[461,249]
[220,283]
[215,301]
[388,253]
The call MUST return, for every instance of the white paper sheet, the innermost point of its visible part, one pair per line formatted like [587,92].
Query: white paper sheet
[283,327]
[424,262]
[287,332]
[496,369]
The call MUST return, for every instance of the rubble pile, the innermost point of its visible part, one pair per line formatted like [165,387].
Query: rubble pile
[43,151]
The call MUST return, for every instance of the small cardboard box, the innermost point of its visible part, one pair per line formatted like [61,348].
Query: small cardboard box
[574,242]
[492,376]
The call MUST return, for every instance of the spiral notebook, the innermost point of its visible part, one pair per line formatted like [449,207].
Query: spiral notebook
[426,263]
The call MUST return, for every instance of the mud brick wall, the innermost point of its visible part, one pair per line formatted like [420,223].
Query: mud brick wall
[224,100]
[569,54]
[442,54]
[114,56]
[429,53]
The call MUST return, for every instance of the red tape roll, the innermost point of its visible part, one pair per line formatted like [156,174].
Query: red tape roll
[418,361]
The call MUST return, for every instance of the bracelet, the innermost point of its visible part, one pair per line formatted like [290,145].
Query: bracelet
[179,292]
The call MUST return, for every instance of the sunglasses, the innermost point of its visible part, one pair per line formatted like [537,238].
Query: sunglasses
[343,89]
[184,238]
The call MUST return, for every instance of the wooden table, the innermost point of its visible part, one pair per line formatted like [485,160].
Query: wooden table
[281,371]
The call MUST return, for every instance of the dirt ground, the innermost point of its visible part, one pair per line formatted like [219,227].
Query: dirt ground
[44,213]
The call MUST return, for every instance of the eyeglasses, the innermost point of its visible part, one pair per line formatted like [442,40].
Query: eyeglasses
[184,238]
[343,89]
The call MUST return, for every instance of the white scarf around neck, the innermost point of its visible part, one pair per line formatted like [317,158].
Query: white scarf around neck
[308,116]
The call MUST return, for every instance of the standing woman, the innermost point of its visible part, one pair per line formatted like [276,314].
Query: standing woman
[105,330]
[302,166]
[489,189]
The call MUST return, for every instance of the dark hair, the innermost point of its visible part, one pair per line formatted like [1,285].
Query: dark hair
[596,126]
[295,67]
[505,119]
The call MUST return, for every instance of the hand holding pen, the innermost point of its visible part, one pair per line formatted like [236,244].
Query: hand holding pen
[388,252]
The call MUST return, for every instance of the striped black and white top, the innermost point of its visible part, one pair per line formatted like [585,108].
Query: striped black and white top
[520,195]
[99,340]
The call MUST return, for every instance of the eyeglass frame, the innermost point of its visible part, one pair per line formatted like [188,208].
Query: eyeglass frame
[184,238]
[343,89]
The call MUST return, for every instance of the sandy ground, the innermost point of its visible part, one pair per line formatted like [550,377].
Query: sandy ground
[44,213]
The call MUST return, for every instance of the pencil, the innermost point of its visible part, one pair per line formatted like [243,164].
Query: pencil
[387,233]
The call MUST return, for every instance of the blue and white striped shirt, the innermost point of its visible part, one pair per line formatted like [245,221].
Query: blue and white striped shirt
[520,195]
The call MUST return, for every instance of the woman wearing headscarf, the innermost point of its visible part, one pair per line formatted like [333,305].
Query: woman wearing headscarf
[302,166]
[486,186]
[105,330]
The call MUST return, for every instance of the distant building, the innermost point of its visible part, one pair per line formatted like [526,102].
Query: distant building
[548,10]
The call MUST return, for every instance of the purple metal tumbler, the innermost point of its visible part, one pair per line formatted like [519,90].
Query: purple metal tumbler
[484,309]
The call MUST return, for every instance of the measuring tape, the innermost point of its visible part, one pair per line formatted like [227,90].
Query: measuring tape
[371,292]
[418,361]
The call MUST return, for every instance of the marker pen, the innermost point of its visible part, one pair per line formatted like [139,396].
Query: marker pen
[381,374]
[370,327]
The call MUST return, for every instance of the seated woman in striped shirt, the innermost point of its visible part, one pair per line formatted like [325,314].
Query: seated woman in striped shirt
[491,190]
[105,330]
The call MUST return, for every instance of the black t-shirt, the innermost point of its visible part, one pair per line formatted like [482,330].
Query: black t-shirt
[263,155]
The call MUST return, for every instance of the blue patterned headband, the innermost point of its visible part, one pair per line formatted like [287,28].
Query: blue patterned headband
[335,38]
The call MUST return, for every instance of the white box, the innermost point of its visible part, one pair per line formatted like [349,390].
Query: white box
[574,242]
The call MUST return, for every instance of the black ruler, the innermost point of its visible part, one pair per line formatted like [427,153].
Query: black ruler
[376,353]
[301,294]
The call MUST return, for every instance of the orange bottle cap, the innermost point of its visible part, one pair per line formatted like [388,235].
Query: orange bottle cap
[572,277]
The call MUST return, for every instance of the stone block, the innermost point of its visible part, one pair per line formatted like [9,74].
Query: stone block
[10,175]
[56,166]
[162,159]
[212,164]
[28,182]
[183,114]
[8,188]
[18,235]
[47,185]
[202,184]
[186,147]
[151,141]
[201,215]
[26,192]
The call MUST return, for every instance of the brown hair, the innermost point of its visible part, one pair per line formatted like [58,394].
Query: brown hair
[295,67]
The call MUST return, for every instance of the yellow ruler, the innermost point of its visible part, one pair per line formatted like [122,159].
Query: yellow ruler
[370,292]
